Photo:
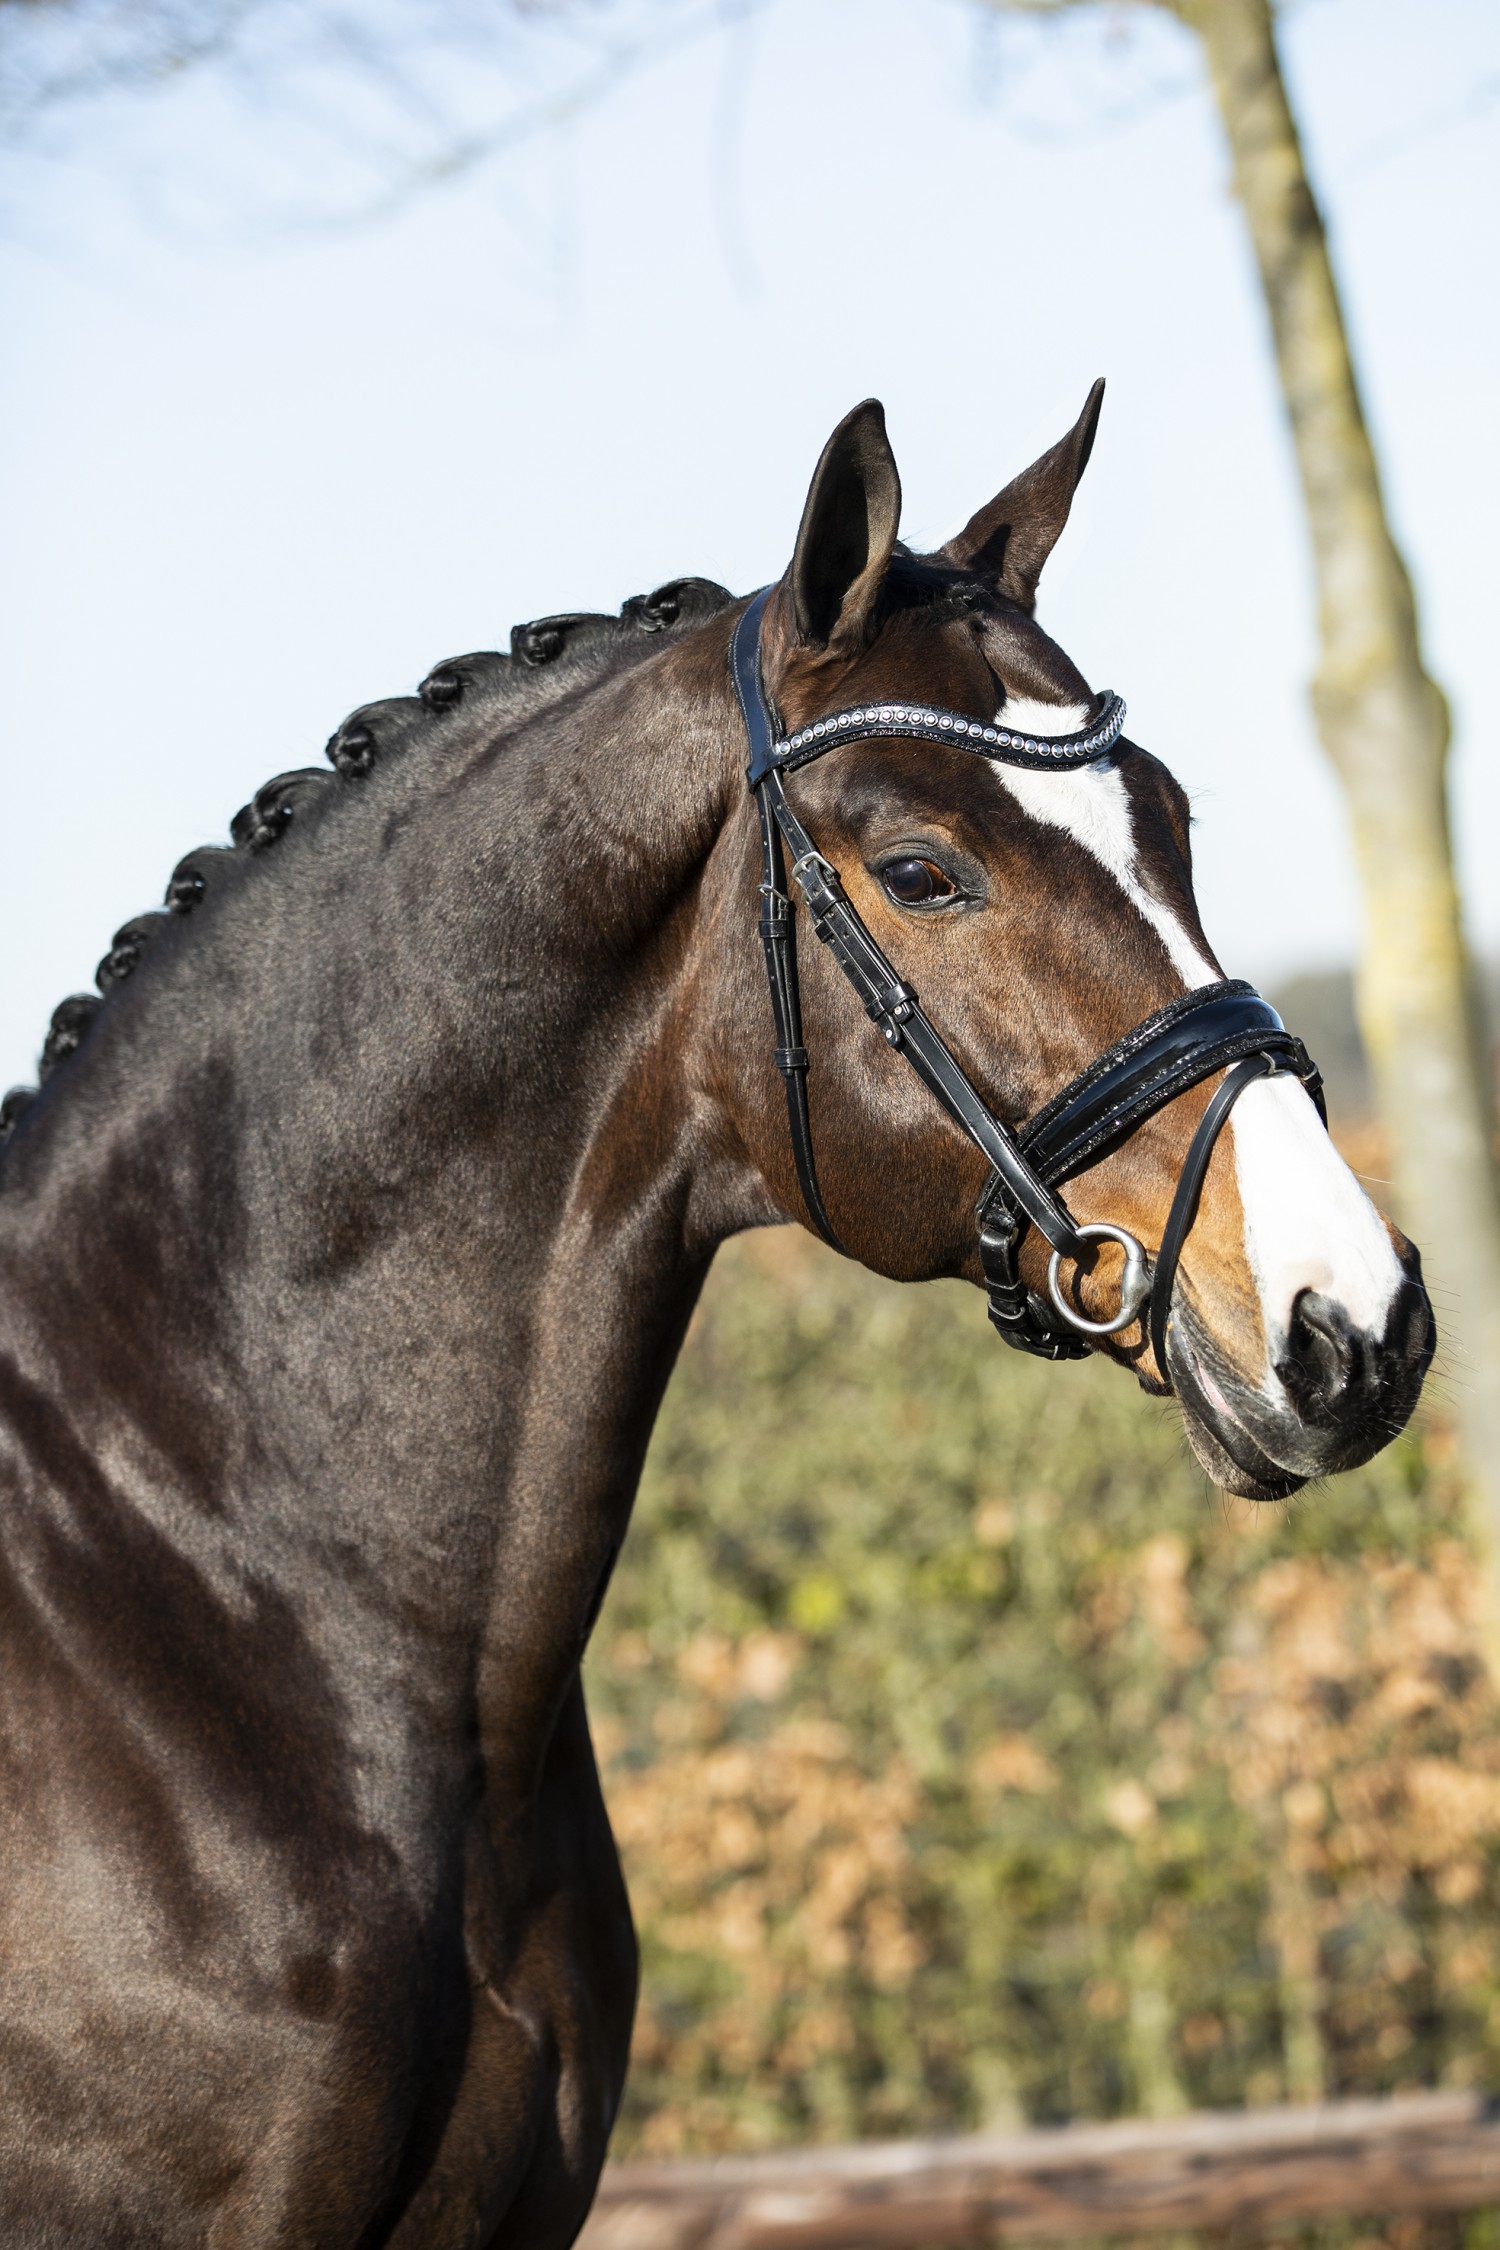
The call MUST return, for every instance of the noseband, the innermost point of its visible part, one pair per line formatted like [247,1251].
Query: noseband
[1219,1027]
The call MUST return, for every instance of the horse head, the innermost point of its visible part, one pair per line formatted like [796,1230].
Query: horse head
[1030,910]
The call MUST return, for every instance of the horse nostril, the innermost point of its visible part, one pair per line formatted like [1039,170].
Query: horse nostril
[1411,1331]
[1325,1356]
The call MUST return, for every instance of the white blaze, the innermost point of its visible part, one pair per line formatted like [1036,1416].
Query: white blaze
[1093,805]
[1308,1222]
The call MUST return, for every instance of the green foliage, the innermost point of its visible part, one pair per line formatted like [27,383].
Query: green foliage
[973,1760]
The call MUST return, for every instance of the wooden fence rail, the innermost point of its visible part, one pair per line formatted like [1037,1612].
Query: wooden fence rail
[1415,2152]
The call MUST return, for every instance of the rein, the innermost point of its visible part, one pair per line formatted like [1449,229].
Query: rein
[1218,1026]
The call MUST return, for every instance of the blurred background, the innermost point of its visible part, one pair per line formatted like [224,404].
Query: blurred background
[1016,1774]
[973,1764]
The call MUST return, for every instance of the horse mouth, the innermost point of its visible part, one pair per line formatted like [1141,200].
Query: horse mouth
[1264,1442]
[1225,1448]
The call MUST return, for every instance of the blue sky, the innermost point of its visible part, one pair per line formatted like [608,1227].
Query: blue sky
[260,466]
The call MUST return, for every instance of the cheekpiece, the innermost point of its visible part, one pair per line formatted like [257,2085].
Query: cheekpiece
[925,722]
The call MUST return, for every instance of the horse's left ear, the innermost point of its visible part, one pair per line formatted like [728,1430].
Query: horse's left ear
[1011,538]
[847,533]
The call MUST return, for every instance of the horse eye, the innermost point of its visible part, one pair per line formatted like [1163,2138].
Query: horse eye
[917,882]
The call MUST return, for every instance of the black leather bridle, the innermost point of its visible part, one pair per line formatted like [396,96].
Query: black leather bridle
[1219,1027]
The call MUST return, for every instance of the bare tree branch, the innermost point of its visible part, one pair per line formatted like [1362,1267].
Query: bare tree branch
[414,94]
[619,60]
[55,53]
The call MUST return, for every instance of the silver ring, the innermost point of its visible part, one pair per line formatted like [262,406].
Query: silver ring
[1135,1282]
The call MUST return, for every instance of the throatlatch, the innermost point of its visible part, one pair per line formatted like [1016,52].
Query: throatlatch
[1181,1045]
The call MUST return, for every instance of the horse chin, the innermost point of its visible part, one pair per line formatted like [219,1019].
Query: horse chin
[1245,1471]
[1226,1449]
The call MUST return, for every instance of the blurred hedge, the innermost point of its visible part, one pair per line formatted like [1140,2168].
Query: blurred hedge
[973,1760]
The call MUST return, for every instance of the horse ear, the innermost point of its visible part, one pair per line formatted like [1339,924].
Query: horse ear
[1012,538]
[847,533]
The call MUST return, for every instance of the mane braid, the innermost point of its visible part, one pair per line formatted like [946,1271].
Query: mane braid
[550,657]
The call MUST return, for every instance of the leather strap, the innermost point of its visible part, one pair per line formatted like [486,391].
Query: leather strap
[1018,1315]
[933,722]
[1185,1202]
[778,935]
[749,687]
[1158,1059]
[894,1007]
[1195,1035]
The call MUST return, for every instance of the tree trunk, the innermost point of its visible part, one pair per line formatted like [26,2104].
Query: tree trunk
[1385,726]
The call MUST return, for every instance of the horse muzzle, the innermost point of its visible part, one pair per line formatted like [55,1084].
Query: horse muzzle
[1332,1393]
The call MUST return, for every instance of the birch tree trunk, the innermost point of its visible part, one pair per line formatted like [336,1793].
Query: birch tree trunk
[1384,724]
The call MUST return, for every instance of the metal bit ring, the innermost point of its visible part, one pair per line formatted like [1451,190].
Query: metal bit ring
[1135,1282]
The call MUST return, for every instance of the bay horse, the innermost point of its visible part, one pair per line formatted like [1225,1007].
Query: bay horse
[344,1255]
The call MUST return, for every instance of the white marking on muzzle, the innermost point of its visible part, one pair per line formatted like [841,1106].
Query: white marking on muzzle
[1308,1222]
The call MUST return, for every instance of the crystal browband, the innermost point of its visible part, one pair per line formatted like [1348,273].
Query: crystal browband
[925,723]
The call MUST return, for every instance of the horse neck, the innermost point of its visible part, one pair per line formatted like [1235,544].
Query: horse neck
[373,1213]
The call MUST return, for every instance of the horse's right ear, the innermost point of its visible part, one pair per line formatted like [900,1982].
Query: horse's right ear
[847,533]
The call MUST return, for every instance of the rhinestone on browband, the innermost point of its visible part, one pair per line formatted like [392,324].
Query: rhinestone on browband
[925,723]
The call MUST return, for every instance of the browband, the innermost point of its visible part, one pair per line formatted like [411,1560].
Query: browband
[927,722]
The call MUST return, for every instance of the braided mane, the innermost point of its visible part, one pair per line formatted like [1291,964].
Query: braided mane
[550,657]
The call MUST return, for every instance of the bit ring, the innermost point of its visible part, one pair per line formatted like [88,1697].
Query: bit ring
[1135,1282]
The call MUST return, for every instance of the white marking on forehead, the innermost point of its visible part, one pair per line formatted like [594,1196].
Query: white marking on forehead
[1093,805]
[1026,717]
